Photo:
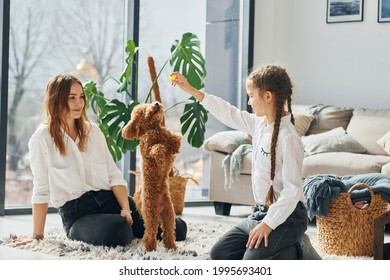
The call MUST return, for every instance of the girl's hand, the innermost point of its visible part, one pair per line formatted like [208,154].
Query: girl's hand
[178,79]
[257,234]
[126,213]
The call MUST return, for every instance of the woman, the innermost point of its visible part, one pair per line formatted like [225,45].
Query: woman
[72,168]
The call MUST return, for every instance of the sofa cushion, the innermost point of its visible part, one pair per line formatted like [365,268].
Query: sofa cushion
[386,170]
[342,164]
[335,140]
[367,126]
[384,142]
[226,141]
[330,117]
[302,123]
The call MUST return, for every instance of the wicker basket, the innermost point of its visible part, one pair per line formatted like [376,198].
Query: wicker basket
[177,188]
[348,230]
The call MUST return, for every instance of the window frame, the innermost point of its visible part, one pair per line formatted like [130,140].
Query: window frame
[4,29]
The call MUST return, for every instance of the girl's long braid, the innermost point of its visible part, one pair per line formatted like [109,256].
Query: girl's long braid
[280,101]
[275,79]
[289,109]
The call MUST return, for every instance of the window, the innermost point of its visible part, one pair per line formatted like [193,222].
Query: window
[53,37]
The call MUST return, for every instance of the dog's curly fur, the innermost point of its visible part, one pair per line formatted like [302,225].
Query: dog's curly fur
[159,147]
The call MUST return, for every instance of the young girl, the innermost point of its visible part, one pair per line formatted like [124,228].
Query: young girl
[279,220]
[72,168]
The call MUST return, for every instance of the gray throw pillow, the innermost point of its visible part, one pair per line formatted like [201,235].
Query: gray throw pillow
[335,140]
[226,141]
[330,117]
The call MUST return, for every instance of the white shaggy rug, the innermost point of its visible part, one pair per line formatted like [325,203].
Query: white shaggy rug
[200,239]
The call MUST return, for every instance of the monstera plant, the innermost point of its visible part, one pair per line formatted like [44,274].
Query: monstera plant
[113,114]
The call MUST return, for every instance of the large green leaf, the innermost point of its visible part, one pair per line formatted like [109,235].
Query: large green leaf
[125,79]
[194,119]
[187,59]
[115,151]
[114,117]
[96,99]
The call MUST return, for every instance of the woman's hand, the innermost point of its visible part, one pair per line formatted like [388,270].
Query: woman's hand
[257,234]
[120,193]
[126,213]
[25,240]
[21,241]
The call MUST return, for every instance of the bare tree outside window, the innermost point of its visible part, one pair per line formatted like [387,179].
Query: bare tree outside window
[49,37]
[28,44]
[95,29]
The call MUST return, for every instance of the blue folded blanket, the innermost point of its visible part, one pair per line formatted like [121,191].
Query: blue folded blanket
[319,190]
[379,183]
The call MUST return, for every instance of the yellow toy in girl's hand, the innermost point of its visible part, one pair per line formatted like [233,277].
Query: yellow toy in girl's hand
[172,77]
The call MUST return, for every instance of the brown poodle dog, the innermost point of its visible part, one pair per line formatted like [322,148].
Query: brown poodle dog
[158,147]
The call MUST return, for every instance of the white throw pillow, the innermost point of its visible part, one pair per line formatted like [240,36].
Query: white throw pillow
[335,140]
[384,142]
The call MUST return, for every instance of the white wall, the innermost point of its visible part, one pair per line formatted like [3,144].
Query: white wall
[343,64]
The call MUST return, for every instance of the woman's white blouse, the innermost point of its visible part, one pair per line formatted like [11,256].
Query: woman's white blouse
[289,157]
[61,178]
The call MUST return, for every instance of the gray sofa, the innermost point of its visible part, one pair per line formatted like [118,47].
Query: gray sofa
[337,140]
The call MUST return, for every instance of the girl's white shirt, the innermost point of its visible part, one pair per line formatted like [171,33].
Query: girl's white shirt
[61,178]
[289,157]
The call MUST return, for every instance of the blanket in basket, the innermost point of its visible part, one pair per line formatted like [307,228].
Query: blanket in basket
[319,190]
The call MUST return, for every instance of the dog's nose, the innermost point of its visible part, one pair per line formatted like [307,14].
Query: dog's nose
[157,104]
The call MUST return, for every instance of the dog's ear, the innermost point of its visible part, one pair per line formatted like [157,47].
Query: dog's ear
[132,130]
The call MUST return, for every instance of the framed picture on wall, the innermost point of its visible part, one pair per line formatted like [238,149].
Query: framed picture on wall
[383,10]
[344,11]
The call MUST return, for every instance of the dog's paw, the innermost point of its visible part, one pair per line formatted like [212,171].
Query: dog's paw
[150,247]
[172,247]
[150,244]
[169,244]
